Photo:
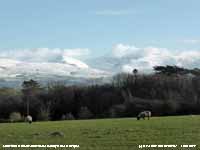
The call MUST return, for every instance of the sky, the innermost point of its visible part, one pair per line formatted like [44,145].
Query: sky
[96,27]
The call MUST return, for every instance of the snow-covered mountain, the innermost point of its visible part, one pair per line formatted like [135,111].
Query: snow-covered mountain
[71,70]
[67,65]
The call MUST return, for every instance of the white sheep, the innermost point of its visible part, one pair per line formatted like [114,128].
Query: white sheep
[29,119]
[144,114]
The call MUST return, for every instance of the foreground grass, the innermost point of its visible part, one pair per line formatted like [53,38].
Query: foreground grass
[119,134]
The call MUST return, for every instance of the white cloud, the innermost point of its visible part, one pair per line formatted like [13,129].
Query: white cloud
[148,57]
[125,57]
[44,54]
[191,41]
[77,53]
[121,50]
[189,59]
[114,12]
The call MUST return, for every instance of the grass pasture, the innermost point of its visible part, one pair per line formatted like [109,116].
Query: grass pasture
[116,134]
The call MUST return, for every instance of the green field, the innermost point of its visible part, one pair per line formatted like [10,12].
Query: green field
[116,134]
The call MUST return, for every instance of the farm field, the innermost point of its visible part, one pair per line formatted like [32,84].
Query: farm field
[116,134]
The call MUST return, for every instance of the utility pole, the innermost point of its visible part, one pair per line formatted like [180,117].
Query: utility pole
[135,71]
[27,107]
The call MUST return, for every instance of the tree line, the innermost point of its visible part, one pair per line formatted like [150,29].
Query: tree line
[171,90]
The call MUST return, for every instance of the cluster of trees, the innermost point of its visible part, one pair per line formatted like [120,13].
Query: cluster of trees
[175,70]
[169,91]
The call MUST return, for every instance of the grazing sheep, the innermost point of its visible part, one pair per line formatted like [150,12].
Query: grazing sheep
[29,119]
[144,114]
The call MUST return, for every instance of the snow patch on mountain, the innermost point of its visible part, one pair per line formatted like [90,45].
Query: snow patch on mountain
[71,67]
[75,62]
